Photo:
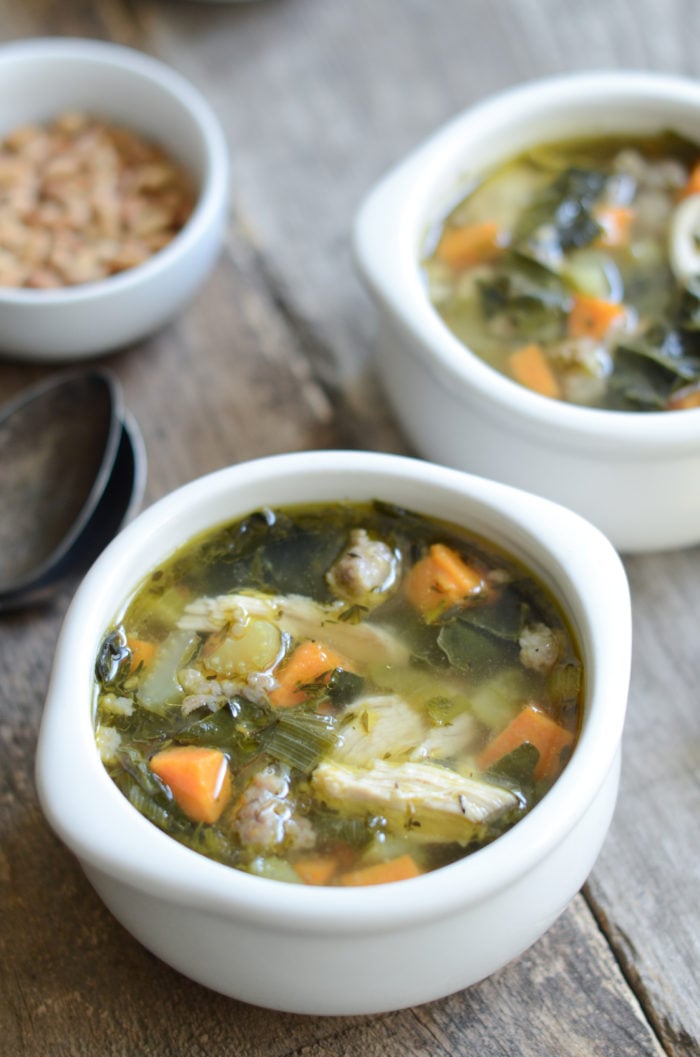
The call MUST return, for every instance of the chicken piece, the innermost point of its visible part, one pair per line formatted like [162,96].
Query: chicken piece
[386,726]
[378,728]
[433,803]
[265,817]
[300,618]
[450,739]
[539,647]
[366,572]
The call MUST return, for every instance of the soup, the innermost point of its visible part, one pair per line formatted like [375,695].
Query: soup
[341,694]
[574,269]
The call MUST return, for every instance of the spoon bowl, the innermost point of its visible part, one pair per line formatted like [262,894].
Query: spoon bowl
[71,466]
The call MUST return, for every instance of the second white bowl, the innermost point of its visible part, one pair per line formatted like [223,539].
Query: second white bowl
[631,473]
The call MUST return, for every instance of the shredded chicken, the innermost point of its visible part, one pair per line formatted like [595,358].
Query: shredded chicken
[424,798]
[301,618]
[450,739]
[386,727]
[265,816]
[380,727]
[365,572]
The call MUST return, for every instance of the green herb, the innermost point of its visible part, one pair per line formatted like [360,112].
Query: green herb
[516,771]
[344,686]
[470,648]
[534,300]
[238,727]
[649,367]
[505,617]
[566,205]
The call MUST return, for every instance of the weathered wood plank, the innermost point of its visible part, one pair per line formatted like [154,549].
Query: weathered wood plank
[645,889]
[74,983]
[276,354]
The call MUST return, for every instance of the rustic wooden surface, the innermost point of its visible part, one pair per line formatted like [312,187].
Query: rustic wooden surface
[318,98]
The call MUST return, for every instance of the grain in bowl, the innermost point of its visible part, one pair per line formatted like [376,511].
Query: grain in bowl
[76,311]
[82,198]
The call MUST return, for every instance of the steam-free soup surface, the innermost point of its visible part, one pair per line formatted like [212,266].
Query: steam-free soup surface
[337,695]
[574,269]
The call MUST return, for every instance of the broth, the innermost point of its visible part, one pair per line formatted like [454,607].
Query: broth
[337,694]
[574,270]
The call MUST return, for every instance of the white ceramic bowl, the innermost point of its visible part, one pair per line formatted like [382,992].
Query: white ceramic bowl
[629,473]
[333,950]
[39,79]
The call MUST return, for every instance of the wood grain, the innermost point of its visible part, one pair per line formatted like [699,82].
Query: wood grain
[276,354]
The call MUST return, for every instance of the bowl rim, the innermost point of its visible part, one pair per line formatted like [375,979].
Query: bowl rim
[213,187]
[109,836]
[391,223]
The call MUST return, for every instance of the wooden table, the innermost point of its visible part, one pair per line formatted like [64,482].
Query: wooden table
[318,99]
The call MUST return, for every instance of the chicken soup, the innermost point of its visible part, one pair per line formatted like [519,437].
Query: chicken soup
[344,694]
[574,269]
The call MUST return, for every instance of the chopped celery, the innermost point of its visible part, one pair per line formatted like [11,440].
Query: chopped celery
[157,814]
[165,608]
[273,868]
[333,827]
[300,739]
[588,272]
[159,687]
[564,682]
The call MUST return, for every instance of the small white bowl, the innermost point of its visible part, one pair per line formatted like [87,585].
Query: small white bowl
[39,79]
[631,473]
[337,950]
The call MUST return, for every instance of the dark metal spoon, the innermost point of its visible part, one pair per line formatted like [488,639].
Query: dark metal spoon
[68,471]
[119,502]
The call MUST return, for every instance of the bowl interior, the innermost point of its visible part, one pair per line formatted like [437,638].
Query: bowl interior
[41,79]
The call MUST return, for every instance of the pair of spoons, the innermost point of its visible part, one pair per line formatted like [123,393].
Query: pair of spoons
[72,472]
